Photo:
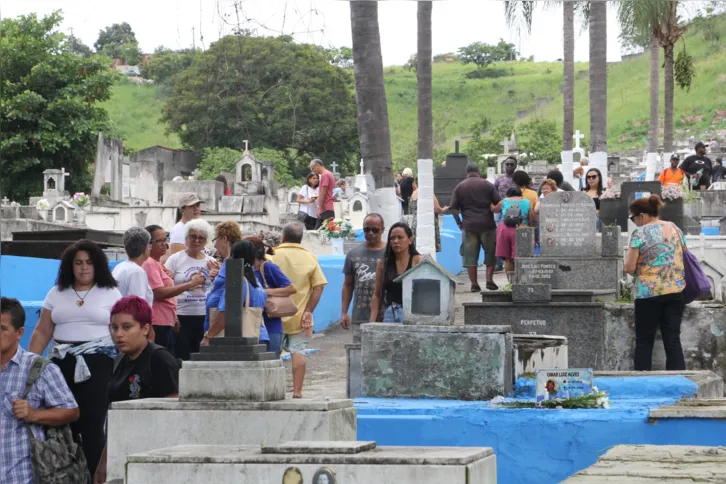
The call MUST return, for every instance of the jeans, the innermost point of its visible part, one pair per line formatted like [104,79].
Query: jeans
[651,313]
[275,343]
[165,337]
[191,332]
[393,314]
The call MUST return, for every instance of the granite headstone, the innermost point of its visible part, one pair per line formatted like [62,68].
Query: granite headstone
[567,225]
[525,241]
[531,292]
[537,271]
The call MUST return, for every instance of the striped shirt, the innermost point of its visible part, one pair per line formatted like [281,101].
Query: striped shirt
[49,391]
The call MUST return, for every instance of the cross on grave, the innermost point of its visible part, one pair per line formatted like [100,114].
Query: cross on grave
[6,202]
[505,142]
[362,167]
[246,142]
[577,137]
[334,165]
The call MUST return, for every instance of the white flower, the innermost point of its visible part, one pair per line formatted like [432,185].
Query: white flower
[42,204]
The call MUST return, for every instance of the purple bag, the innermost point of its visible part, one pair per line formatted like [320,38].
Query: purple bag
[696,280]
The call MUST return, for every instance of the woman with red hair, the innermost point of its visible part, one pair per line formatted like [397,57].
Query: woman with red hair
[142,369]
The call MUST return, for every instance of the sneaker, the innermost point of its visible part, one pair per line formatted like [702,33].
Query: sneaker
[491,286]
[475,288]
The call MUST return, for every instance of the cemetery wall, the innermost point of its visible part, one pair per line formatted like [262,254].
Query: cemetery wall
[558,443]
[9,226]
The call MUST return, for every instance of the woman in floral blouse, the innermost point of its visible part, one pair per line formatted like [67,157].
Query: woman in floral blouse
[655,258]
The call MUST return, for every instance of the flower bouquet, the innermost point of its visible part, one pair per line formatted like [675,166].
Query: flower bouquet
[81,199]
[610,194]
[596,399]
[672,192]
[337,229]
[42,204]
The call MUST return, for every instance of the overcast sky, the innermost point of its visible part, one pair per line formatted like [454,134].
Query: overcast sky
[456,23]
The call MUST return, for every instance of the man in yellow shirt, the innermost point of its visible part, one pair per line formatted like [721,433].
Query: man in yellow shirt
[672,175]
[523,180]
[303,270]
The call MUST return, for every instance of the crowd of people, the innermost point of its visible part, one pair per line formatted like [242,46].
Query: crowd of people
[122,335]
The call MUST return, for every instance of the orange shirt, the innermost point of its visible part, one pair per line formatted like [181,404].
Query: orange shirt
[667,177]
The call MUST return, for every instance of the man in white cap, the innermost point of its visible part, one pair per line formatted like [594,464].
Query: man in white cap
[190,207]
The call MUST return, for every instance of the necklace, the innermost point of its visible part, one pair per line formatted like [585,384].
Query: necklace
[81,300]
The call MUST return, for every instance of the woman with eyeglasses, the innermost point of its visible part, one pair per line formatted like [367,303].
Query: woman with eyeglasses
[164,320]
[75,315]
[185,265]
[438,210]
[655,258]
[400,255]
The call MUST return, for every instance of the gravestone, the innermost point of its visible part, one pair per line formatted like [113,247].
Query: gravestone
[567,225]
[450,175]
[526,241]
[538,271]
[627,196]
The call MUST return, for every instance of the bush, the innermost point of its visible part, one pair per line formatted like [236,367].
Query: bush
[487,73]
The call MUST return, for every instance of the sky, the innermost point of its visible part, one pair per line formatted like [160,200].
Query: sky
[183,23]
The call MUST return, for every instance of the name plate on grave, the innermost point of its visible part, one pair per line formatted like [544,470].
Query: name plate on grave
[567,224]
[569,383]
[538,271]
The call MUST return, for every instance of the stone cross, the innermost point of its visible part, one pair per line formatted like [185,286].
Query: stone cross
[6,202]
[334,165]
[246,142]
[577,137]
[505,143]
[362,167]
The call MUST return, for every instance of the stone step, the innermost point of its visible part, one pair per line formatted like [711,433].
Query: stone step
[649,464]
[692,408]
[558,295]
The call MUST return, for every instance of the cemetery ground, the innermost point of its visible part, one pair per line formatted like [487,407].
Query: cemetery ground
[326,369]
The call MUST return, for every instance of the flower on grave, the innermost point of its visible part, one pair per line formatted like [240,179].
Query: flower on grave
[672,192]
[81,199]
[42,204]
[610,194]
[337,229]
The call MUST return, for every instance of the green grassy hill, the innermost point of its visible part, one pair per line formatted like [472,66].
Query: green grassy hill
[525,90]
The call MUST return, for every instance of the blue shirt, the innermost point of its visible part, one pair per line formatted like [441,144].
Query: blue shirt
[523,205]
[275,279]
[49,391]
[258,298]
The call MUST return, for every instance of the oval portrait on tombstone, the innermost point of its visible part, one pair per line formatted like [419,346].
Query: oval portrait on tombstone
[550,226]
[566,196]
[324,476]
[292,475]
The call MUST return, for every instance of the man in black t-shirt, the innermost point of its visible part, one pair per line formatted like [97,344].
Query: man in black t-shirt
[698,168]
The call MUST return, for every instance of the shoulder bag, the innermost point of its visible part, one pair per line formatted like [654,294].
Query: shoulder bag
[277,306]
[696,281]
[251,318]
[58,459]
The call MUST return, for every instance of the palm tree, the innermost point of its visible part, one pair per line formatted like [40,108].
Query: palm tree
[423,74]
[598,77]
[654,98]
[372,109]
[520,13]
[657,20]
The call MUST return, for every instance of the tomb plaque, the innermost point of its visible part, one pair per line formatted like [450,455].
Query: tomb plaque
[567,225]
[538,271]
[563,383]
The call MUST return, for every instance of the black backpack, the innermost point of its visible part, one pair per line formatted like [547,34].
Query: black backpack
[513,216]
[58,459]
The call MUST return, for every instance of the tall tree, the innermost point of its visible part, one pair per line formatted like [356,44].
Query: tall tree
[653,130]
[119,40]
[74,45]
[424,76]
[598,77]
[372,108]
[568,92]
[50,112]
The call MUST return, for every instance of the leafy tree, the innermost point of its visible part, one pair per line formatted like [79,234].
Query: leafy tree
[477,53]
[445,57]
[167,63]
[272,91]
[341,57]
[412,62]
[74,45]
[216,160]
[505,51]
[538,139]
[119,41]
[49,115]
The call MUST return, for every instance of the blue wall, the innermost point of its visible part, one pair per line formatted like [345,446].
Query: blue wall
[541,446]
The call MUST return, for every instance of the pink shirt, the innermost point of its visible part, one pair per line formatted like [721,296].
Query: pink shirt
[327,180]
[164,312]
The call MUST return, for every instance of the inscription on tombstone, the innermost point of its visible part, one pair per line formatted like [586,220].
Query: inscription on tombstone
[538,271]
[567,225]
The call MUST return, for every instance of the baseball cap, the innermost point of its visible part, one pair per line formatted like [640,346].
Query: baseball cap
[189,199]
[675,156]
[700,145]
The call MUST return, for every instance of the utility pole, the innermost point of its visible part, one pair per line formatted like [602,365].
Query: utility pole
[194,40]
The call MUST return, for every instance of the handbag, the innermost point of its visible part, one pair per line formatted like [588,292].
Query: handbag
[251,317]
[277,306]
[58,459]
[696,281]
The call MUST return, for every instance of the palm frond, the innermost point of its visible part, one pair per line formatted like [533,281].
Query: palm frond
[519,14]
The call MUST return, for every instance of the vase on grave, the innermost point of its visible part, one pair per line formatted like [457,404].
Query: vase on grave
[79,216]
[338,246]
[672,211]
[609,208]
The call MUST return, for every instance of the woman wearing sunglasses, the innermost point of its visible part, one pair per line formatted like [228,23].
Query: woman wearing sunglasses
[593,187]
[655,258]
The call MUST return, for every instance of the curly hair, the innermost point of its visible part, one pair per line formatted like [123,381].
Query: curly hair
[229,230]
[198,225]
[135,307]
[102,274]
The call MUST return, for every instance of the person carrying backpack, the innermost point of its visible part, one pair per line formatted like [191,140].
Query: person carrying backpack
[516,211]
[142,369]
